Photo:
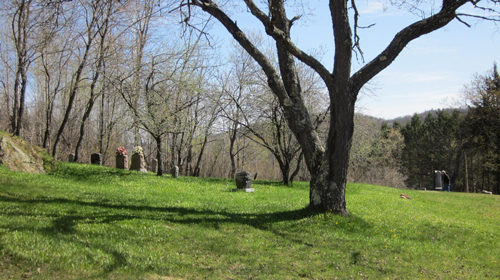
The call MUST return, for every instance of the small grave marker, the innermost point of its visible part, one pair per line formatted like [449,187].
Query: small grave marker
[243,182]
[96,159]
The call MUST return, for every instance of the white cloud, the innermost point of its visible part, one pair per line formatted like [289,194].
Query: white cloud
[415,77]
[379,8]
[371,7]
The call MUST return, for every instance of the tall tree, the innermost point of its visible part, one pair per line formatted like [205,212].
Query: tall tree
[482,124]
[327,163]
[414,156]
[104,28]
[32,25]
[91,12]
[169,87]
[433,144]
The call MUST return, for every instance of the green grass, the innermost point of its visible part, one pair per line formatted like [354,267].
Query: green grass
[91,222]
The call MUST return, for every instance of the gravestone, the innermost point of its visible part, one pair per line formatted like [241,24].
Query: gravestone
[244,182]
[96,159]
[138,163]
[437,180]
[175,171]
[71,157]
[154,165]
[122,161]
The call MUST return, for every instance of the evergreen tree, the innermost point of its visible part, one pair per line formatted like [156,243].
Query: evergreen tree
[483,127]
[413,156]
[429,146]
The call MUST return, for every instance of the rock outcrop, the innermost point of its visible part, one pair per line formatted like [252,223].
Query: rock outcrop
[17,155]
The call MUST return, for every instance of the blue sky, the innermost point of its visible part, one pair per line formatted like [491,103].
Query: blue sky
[429,74]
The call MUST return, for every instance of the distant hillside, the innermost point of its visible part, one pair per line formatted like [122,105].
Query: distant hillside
[405,119]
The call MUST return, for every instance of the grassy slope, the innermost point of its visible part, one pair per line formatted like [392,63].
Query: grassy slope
[90,222]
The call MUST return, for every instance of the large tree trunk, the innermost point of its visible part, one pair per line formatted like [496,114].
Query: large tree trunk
[329,179]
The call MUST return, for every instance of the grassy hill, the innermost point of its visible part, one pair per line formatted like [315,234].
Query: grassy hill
[92,222]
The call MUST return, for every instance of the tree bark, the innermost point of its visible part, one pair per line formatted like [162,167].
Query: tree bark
[20,25]
[232,155]
[159,152]
[297,168]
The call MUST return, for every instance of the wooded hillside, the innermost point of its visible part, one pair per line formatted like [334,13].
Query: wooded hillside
[84,77]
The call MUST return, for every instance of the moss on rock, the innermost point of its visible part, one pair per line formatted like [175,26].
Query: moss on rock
[18,155]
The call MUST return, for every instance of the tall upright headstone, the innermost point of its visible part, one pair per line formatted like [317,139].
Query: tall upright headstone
[71,157]
[175,171]
[122,161]
[437,180]
[138,163]
[96,159]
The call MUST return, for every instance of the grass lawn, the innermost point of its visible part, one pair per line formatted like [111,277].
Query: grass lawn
[91,222]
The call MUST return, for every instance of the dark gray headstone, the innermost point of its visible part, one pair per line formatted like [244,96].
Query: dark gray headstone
[437,180]
[71,157]
[243,180]
[96,159]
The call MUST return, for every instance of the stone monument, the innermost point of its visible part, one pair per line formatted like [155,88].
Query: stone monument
[122,161]
[437,180]
[175,171]
[138,163]
[96,159]
[243,182]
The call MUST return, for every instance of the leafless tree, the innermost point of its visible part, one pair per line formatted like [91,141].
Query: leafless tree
[91,12]
[327,162]
[32,24]
[104,27]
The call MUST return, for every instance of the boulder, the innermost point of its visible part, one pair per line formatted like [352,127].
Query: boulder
[17,155]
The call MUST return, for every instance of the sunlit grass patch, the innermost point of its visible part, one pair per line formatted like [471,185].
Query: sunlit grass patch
[92,222]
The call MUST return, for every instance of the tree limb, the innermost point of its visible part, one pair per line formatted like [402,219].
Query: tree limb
[401,40]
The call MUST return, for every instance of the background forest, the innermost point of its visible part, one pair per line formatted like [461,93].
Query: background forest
[80,77]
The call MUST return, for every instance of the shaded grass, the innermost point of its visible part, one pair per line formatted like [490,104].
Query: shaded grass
[90,222]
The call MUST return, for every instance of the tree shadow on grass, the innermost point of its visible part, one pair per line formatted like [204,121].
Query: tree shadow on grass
[88,172]
[64,225]
[188,215]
